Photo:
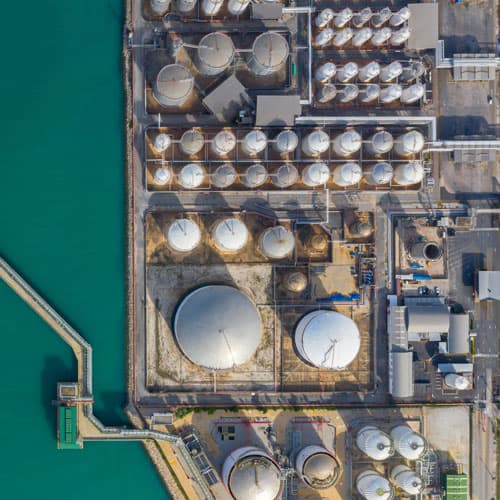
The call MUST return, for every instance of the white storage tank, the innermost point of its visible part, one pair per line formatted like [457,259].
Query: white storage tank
[369,93]
[316,174]
[255,175]
[391,71]
[408,443]
[325,72]
[269,53]
[326,93]
[362,36]
[409,173]
[400,36]
[254,142]
[413,71]
[342,37]
[380,174]
[237,7]
[211,7]
[249,473]
[230,235]
[348,93]
[408,480]
[277,242]
[191,176]
[173,85]
[380,143]
[192,142]
[223,142]
[347,143]
[413,93]
[160,7]
[324,37]
[372,486]
[410,143]
[185,6]
[315,143]
[214,54]
[286,142]
[381,36]
[183,235]
[374,443]
[391,93]
[285,175]
[457,382]
[342,18]
[347,72]
[347,174]
[381,17]
[317,467]
[324,18]
[224,176]
[327,339]
[162,142]
[400,17]
[369,72]
[162,176]
[362,17]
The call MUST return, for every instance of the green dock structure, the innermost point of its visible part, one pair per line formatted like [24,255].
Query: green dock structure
[67,438]
[456,487]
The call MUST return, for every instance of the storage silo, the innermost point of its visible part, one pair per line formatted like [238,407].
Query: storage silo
[400,36]
[362,17]
[192,142]
[237,7]
[362,36]
[391,93]
[400,17]
[457,382]
[211,7]
[185,6]
[361,229]
[381,17]
[224,176]
[324,18]
[347,143]
[374,443]
[381,36]
[269,53]
[342,37]
[348,93]
[408,443]
[160,7]
[183,235]
[381,173]
[380,143]
[408,174]
[191,176]
[326,93]
[277,242]
[369,93]
[254,142]
[217,327]
[347,174]
[413,93]
[295,282]
[369,72]
[249,473]
[162,176]
[327,339]
[230,235]
[223,143]
[173,85]
[315,143]
[391,72]
[342,18]
[347,72]
[286,142]
[410,143]
[325,72]
[324,37]
[285,175]
[426,250]
[214,54]
[255,175]
[316,174]
[317,467]
[408,480]
[372,486]
[162,142]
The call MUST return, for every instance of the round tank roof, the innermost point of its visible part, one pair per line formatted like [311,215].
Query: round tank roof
[224,176]
[381,173]
[217,327]
[320,469]
[254,176]
[216,50]
[230,235]
[408,443]
[372,486]
[183,235]
[254,142]
[374,443]
[192,142]
[327,339]
[223,142]
[409,173]
[162,142]
[315,143]
[316,174]
[270,49]
[162,176]
[412,142]
[285,176]
[296,281]
[286,141]
[173,85]
[347,174]
[347,143]
[191,176]
[277,242]
[382,142]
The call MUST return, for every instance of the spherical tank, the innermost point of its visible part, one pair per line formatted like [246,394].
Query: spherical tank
[255,175]
[326,93]
[285,175]
[374,443]
[230,235]
[324,37]
[408,480]
[269,53]
[347,174]
[409,173]
[173,85]
[277,242]
[191,176]
[183,235]
[315,143]
[348,93]
[162,176]
[380,143]
[381,36]
[362,36]
[347,72]
[224,176]
[362,17]
[215,53]
[379,174]
[317,467]
[381,17]
[369,93]
[372,486]
[410,143]
[160,7]
[408,443]
[192,142]
[254,142]
[369,72]
[211,7]
[237,7]
[347,143]
[162,142]
[295,282]
[391,93]
[323,18]
[391,71]
[223,142]
[316,174]
[286,142]
[342,18]
[325,72]
[342,37]
[217,327]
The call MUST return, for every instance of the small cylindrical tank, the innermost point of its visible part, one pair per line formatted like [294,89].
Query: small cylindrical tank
[316,174]
[254,142]
[211,7]
[401,16]
[326,93]
[347,174]
[295,282]
[324,37]
[162,176]
[255,175]
[325,72]
[348,93]
[183,235]
[408,480]
[269,53]
[315,143]
[362,36]
[237,7]
[400,36]
[173,85]
[361,229]
[224,176]
[342,37]
[230,235]
[286,142]
[347,72]
[457,382]
[369,93]
[162,142]
[372,486]
[379,174]
[409,173]
[277,242]
[192,142]
[391,71]
[380,143]
[160,7]
[324,18]
[362,17]
[381,17]
[413,93]
[408,443]
[369,72]
[410,143]
[374,443]
[215,53]
[185,6]
[342,18]
[317,467]
[285,175]
[381,36]
[347,143]
[426,250]
[391,93]
[191,176]
[223,143]
[412,72]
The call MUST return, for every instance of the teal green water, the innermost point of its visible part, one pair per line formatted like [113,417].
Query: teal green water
[62,227]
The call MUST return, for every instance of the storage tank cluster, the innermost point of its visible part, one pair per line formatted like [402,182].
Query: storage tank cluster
[208,8]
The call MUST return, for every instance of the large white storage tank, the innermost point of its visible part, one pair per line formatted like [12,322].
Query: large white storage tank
[372,486]
[162,176]
[191,176]
[369,93]
[408,443]
[380,174]
[362,36]
[323,18]
[342,37]
[410,143]
[381,17]
[223,142]
[381,36]
[327,339]
[400,17]
[391,93]
[413,93]
[249,473]
[348,93]
[316,174]
[315,143]
[269,53]
[173,85]
[162,142]
[362,17]
[192,142]
[211,7]
[255,175]
[347,72]
[369,72]
[347,144]
[224,176]
[183,235]
[374,443]
[380,143]
[325,72]
[317,467]
[324,37]
[237,7]
[409,173]
[230,235]
[285,175]
[342,18]
[277,242]
[214,54]
[160,7]
[286,142]
[391,72]
[254,142]
[408,480]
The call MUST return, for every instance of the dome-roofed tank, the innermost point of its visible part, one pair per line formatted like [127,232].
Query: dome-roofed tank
[325,72]
[415,70]
[160,7]
[323,18]
[183,235]
[362,36]
[327,339]
[249,473]
[224,176]
[361,229]
[380,143]
[413,93]
[408,443]
[347,143]
[162,142]
[317,467]
[185,6]
[295,282]
[223,142]
[342,37]
[230,235]
[456,381]
[391,71]
[348,93]
[381,36]
[362,17]
[192,142]
[400,36]
[381,17]
[285,175]
[379,174]
[162,176]
[173,85]
[237,7]
[191,176]
[347,174]
[347,72]
[211,7]
[369,71]
[286,142]
[217,327]
[269,53]
[391,93]
[255,175]
[315,143]
[342,18]
[372,486]
[401,16]
[410,143]
[369,93]
[324,37]
[326,93]
[277,242]
[374,443]
[409,173]
[215,53]
[316,174]
[317,243]
[408,480]
[254,142]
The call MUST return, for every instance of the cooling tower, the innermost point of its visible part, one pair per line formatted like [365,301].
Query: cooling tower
[347,174]
[369,72]
[237,7]
[162,142]
[381,36]
[399,37]
[192,142]
[224,176]
[380,143]
[410,143]
[285,176]
[362,17]
[348,93]
[254,142]
[215,53]
[223,143]
[391,93]
[362,36]
[325,72]
[369,93]
[173,85]
[324,37]
[409,173]
[400,17]
[323,18]
[315,143]
[342,18]
[347,72]
[381,17]
[379,174]
[162,176]
[413,93]
[347,143]
[326,93]
[286,142]
[391,72]
[255,175]
[269,53]
[211,7]
[342,37]
[316,174]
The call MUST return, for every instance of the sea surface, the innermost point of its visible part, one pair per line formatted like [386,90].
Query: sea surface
[62,226]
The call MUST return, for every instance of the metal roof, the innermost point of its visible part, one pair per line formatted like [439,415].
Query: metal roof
[401,374]
[456,487]
[277,110]
[423,25]
[489,285]
[428,319]
[68,428]
[458,336]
